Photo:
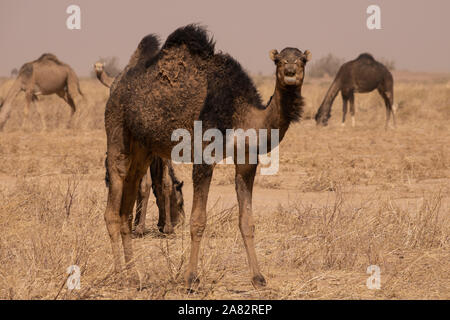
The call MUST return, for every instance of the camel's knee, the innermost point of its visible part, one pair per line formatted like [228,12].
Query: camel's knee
[247,227]
[144,188]
[197,229]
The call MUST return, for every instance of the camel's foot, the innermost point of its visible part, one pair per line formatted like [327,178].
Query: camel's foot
[168,229]
[140,231]
[259,282]
[191,281]
[343,124]
[133,279]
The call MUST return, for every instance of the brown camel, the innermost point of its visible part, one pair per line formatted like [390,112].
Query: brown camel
[171,88]
[44,76]
[160,177]
[362,75]
[102,75]
[168,191]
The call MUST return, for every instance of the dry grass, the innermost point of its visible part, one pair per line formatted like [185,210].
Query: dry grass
[344,199]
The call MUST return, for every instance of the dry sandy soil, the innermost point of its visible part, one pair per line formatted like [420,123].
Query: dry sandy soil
[343,199]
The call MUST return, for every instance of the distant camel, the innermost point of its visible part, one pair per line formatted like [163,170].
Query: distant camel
[160,177]
[44,76]
[364,74]
[102,75]
[171,88]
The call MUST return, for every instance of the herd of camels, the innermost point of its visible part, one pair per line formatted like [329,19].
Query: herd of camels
[169,86]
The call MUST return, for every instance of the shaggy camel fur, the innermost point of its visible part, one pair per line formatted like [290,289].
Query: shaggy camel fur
[160,177]
[171,88]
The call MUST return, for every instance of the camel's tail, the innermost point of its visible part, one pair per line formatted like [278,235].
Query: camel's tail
[324,112]
[7,103]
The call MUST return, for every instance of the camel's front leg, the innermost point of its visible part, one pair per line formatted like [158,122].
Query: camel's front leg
[245,176]
[201,176]
[352,108]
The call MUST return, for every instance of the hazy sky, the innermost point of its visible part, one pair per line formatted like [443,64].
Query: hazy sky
[415,33]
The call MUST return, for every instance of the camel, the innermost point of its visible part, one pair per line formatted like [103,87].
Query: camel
[168,192]
[160,177]
[102,76]
[170,88]
[362,75]
[44,76]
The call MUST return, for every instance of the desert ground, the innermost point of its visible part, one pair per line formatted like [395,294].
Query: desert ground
[344,199]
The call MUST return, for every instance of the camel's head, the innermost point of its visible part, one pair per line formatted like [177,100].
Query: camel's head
[290,64]
[98,66]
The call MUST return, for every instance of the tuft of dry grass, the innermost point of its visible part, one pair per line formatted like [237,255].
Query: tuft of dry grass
[343,199]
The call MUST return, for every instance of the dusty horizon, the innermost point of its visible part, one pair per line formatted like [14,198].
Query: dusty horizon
[410,35]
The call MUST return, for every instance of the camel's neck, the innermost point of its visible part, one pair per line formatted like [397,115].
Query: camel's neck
[325,108]
[104,78]
[285,107]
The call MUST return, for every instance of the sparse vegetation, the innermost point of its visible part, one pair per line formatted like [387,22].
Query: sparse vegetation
[344,198]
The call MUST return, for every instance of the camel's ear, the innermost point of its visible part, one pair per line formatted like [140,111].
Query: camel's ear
[273,54]
[308,55]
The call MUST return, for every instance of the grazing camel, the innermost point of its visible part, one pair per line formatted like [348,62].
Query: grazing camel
[160,177]
[171,88]
[44,76]
[362,75]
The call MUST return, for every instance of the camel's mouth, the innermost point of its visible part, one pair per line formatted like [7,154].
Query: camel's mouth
[290,80]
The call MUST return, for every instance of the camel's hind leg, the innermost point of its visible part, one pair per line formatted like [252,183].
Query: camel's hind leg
[388,97]
[68,99]
[74,97]
[201,176]
[126,165]
[138,166]
[141,204]
[245,176]
[31,108]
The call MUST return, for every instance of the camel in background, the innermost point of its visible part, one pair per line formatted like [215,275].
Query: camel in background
[362,75]
[44,76]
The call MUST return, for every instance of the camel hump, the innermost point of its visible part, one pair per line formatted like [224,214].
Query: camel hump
[195,38]
[49,57]
[26,70]
[366,55]
[149,46]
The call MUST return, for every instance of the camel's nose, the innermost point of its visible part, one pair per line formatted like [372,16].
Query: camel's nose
[289,71]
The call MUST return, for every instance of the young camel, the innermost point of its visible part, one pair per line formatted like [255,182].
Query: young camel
[170,89]
[44,76]
[362,75]
[160,177]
